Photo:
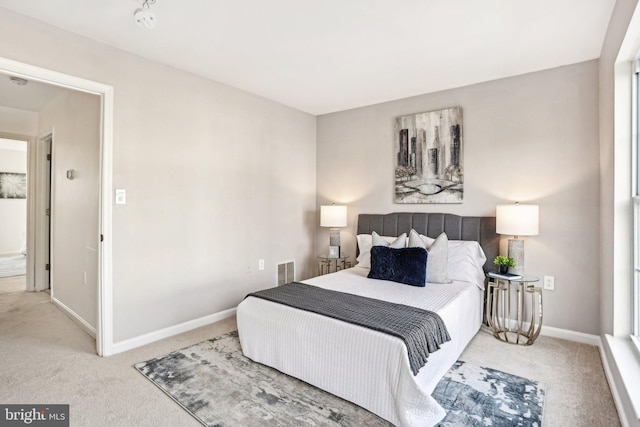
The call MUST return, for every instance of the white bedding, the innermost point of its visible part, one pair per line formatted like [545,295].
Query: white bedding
[366,367]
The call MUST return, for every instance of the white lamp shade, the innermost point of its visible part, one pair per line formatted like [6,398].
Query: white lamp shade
[517,220]
[333,216]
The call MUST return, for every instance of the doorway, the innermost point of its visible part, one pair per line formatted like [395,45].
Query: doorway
[13,211]
[103,249]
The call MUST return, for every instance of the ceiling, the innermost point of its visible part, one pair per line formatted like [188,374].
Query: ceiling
[31,97]
[331,55]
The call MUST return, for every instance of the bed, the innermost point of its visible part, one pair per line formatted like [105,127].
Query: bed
[364,366]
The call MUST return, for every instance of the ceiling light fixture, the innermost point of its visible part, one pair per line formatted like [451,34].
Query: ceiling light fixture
[143,15]
[18,81]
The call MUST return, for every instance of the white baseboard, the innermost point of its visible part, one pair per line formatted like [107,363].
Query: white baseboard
[566,334]
[75,317]
[141,340]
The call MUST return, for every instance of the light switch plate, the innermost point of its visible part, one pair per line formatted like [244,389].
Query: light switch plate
[121,196]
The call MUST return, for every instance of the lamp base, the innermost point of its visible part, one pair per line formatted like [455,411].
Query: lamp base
[516,251]
[334,252]
[334,243]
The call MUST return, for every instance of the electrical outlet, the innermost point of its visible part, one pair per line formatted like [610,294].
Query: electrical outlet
[261,264]
[549,283]
[121,196]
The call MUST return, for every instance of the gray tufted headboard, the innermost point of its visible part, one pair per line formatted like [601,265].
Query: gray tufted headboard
[479,228]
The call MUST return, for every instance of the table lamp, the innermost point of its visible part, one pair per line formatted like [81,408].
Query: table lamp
[517,220]
[333,216]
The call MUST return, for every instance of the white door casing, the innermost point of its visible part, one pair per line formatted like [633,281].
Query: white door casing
[104,329]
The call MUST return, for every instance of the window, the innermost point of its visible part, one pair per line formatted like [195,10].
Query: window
[635,327]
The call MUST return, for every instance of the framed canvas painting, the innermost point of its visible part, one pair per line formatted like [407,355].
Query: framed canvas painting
[429,157]
[13,185]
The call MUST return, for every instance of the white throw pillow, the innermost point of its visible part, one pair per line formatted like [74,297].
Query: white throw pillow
[399,243]
[437,271]
[365,242]
[437,258]
[465,259]
[419,240]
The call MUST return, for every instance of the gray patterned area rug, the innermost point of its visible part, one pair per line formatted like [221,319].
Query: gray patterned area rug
[476,396]
[13,266]
[220,387]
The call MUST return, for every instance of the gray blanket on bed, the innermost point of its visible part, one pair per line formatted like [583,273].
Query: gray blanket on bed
[421,330]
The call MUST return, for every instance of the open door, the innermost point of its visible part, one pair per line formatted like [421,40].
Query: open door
[43,214]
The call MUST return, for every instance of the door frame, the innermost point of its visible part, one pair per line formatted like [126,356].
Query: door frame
[43,196]
[104,324]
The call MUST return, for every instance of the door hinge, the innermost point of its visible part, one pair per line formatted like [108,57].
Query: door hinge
[47,212]
[101,237]
[49,157]
[47,267]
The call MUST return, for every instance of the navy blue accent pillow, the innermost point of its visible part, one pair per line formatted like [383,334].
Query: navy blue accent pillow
[406,265]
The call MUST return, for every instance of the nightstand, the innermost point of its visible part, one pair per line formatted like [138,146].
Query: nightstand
[327,264]
[514,308]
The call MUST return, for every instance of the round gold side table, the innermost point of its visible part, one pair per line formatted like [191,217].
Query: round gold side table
[327,264]
[514,308]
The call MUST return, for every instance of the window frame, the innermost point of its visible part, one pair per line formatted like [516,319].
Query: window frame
[635,202]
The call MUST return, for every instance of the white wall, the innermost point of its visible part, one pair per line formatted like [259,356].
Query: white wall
[13,212]
[20,122]
[216,179]
[531,138]
[74,118]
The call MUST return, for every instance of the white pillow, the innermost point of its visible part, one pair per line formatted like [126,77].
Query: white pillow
[466,261]
[465,258]
[419,240]
[365,242]
[437,260]
[399,243]
[437,257]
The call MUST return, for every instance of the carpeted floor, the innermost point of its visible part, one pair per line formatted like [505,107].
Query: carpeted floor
[13,284]
[46,358]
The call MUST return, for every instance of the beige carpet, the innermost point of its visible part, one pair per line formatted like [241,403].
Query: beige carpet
[46,358]
[13,284]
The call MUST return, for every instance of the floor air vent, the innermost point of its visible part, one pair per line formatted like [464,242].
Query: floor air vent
[286,272]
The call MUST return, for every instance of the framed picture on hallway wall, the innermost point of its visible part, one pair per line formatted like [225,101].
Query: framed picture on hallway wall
[429,157]
[13,185]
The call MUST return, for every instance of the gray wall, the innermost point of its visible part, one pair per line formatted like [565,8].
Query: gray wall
[531,138]
[216,179]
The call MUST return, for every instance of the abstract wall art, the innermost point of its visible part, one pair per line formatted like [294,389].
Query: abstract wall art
[429,157]
[13,185]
